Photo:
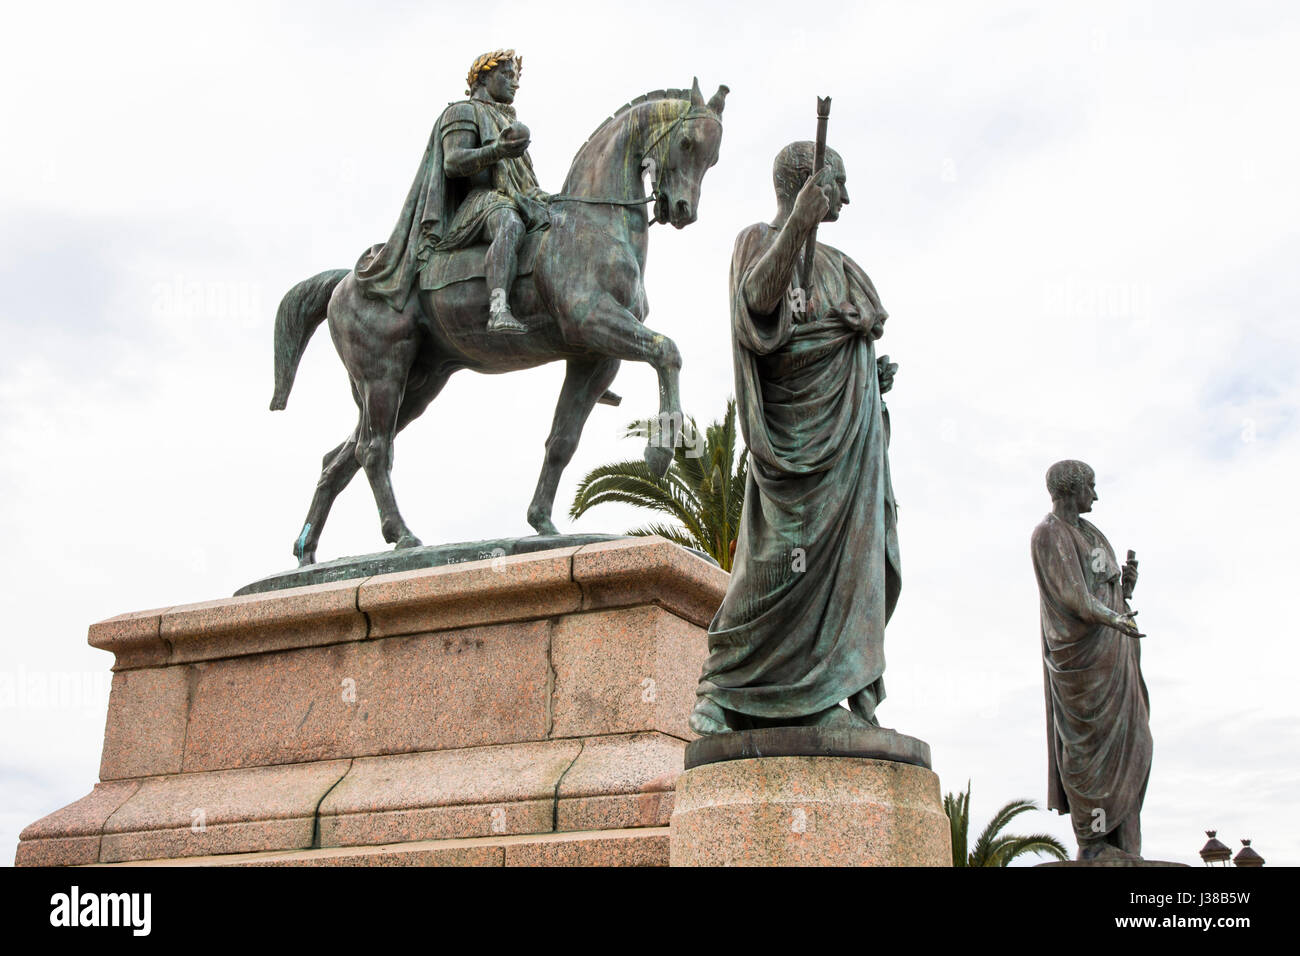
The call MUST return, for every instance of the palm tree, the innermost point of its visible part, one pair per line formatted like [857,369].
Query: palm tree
[703,490]
[992,849]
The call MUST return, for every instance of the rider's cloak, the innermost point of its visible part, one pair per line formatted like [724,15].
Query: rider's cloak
[433,217]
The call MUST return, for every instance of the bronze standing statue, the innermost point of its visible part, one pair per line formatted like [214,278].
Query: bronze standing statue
[816,574]
[413,311]
[1098,729]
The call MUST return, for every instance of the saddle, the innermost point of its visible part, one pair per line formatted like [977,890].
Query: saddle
[462,265]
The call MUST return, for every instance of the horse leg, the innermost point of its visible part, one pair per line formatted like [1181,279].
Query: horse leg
[342,464]
[585,381]
[611,330]
[337,470]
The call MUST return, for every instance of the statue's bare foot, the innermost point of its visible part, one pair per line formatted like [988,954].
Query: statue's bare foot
[707,718]
[863,705]
[838,718]
[1101,851]
[504,321]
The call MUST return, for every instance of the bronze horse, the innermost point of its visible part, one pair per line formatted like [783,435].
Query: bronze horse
[584,303]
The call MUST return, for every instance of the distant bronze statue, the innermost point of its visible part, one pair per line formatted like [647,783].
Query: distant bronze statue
[816,573]
[1098,731]
[413,312]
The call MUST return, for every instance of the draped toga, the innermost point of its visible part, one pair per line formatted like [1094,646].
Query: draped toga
[1098,728]
[444,212]
[817,572]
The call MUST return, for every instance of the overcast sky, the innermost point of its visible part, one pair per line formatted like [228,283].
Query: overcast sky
[1082,222]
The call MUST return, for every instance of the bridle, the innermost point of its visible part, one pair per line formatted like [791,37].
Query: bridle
[694,112]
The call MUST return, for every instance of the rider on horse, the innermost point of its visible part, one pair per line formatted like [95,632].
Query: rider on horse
[475,183]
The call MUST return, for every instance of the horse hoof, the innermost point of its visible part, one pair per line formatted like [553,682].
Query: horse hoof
[658,459]
[307,559]
[544,526]
[408,541]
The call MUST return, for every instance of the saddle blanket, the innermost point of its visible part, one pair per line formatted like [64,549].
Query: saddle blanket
[461,265]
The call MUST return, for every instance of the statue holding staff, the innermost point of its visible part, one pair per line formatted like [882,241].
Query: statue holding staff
[1098,724]
[816,574]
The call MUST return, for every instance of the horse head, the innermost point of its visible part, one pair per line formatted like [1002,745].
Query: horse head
[683,152]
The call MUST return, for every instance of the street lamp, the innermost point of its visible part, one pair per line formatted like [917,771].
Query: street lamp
[1215,853]
[1248,857]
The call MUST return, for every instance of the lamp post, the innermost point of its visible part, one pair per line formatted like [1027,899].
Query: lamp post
[1215,853]
[1248,857]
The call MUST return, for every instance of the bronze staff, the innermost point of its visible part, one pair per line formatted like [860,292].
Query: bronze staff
[819,160]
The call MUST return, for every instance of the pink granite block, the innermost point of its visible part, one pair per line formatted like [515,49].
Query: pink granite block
[452,853]
[70,836]
[59,851]
[650,571]
[85,817]
[227,811]
[624,764]
[618,812]
[147,714]
[220,838]
[626,670]
[619,782]
[310,616]
[446,794]
[438,823]
[425,853]
[809,811]
[135,639]
[454,689]
[644,847]
[512,588]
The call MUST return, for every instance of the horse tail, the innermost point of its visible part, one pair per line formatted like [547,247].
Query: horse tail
[301,311]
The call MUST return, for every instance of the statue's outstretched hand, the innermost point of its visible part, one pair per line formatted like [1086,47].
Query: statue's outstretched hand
[514,141]
[1124,623]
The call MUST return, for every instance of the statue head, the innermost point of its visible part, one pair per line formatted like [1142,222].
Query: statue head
[793,166]
[1073,482]
[497,74]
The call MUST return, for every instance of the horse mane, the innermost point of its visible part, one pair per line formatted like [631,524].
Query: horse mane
[643,98]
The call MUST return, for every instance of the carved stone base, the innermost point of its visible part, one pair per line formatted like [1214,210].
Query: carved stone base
[450,713]
[877,743]
[1106,863]
[809,811]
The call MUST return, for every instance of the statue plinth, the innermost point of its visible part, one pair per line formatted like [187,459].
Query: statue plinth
[805,796]
[1109,863]
[530,709]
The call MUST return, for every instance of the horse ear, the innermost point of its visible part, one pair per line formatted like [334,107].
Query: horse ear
[719,99]
[697,98]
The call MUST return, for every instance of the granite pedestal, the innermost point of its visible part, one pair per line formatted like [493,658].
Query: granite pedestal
[530,709]
[803,796]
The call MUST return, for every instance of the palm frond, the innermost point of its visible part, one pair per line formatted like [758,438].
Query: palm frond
[703,490]
[1031,843]
[994,848]
[957,809]
[675,535]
